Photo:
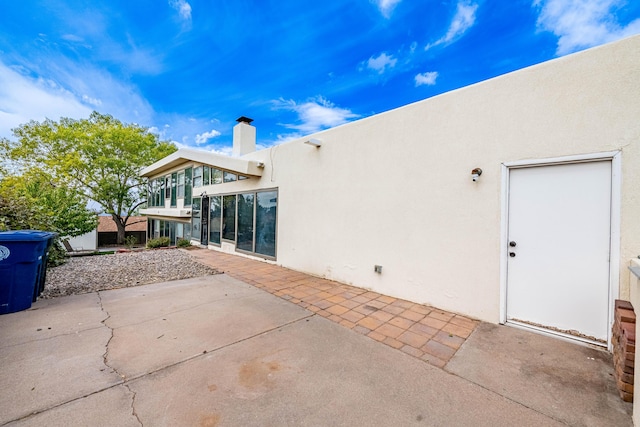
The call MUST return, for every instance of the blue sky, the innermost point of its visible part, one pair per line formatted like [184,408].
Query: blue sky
[188,68]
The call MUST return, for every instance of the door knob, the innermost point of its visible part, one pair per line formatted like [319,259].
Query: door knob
[512,244]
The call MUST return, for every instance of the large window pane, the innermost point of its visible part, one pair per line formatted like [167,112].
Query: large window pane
[195,219]
[187,187]
[172,232]
[197,177]
[180,185]
[205,175]
[215,218]
[167,187]
[159,192]
[245,222]
[229,217]
[216,176]
[174,178]
[187,230]
[266,214]
[229,177]
[179,230]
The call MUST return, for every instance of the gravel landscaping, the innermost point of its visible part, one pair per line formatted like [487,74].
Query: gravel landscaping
[80,275]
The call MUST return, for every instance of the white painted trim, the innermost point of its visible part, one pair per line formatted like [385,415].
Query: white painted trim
[186,155]
[616,203]
[614,250]
[504,247]
[608,155]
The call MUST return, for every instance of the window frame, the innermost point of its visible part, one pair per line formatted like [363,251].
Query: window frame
[255,207]
[180,186]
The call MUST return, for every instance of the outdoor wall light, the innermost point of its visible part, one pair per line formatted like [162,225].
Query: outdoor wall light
[203,194]
[260,164]
[475,174]
[377,269]
[313,141]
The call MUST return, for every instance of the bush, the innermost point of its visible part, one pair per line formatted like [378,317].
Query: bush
[57,254]
[183,243]
[158,242]
[130,241]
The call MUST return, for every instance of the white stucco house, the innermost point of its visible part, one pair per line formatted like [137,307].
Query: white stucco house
[540,239]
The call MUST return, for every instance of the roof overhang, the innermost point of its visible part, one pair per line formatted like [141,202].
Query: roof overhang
[172,212]
[184,155]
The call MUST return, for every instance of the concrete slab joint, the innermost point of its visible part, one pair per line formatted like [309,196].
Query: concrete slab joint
[106,362]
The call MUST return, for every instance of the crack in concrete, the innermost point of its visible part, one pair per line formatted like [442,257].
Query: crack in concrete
[125,381]
[106,362]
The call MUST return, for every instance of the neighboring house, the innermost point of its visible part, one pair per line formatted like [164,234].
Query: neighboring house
[108,231]
[540,239]
[85,242]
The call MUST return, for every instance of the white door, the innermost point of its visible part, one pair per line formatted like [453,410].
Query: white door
[559,235]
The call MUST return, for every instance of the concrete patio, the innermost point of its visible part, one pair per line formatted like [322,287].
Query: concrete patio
[218,351]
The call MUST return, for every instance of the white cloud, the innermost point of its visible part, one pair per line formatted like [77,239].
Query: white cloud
[23,99]
[428,78]
[65,89]
[225,150]
[183,8]
[463,19]
[381,62]
[202,138]
[91,101]
[580,24]
[386,6]
[72,38]
[315,114]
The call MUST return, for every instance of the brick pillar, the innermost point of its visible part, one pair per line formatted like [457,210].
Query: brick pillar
[624,348]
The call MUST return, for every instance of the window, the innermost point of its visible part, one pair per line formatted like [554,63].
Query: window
[266,210]
[187,231]
[229,217]
[172,232]
[216,176]
[187,187]
[215,216]
[241,177]
[249,219]
[174,177]
[197,177]
[205,175]
[167,187]
[181,185]
[159,200]
[195,218]
[245,222]
[229,177]
[149,193]
[172,229]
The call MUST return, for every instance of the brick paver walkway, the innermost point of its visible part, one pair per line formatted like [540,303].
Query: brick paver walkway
[427,333]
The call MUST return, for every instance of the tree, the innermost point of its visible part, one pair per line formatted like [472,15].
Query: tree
[100,157]
[34,201]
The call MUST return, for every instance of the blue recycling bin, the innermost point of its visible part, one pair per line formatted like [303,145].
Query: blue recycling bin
[23,258]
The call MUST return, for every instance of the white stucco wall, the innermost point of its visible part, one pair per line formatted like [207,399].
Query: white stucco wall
[395,189]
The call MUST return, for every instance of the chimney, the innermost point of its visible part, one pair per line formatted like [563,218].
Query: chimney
[244,137]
